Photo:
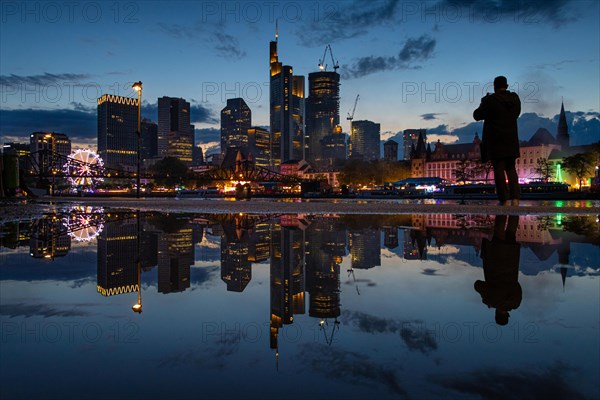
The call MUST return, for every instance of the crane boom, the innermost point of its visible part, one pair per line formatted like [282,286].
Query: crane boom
[322,65]
[350,117]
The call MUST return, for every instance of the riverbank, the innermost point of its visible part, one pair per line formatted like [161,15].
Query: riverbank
[13,210]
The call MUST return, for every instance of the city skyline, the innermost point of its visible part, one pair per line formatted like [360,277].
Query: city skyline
[414,64]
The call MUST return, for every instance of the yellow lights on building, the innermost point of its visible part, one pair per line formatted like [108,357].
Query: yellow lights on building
[117,290]
[117,99]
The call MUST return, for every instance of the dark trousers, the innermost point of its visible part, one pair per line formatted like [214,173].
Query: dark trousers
[505,168]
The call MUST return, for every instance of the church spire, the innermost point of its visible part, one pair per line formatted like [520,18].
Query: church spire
[562,133]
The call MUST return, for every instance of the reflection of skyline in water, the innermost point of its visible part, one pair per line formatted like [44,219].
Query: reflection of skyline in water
[367,293]
[175,243]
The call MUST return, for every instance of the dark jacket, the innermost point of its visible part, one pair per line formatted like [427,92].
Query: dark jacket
[500,137]
[501,289]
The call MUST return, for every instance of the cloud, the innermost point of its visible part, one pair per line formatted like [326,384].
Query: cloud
[43,310]
[552,382]
[74,123]
[584,128]
[430,116]
[40,80]
[415,339]
[198,113]
[351,367]
[82,107]
[213,356]
[179,31]
[555,12]
[80,123]
[559,65]
[345,20]
[446,139]
[414,50]
[224,44]
[208,135]
[418,49]
[228,46]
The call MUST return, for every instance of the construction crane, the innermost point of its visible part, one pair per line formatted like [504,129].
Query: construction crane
[322,65]
[350,117]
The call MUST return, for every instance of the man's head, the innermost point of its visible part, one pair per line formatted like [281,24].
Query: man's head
[500,83]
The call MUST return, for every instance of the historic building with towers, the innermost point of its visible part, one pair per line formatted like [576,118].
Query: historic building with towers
[445,159]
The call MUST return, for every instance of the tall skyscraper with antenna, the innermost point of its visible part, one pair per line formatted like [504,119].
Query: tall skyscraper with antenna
[286,101]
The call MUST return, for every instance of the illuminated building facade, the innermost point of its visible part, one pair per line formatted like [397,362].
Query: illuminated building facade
[236,268]
[286,101]
[541,145]
[181,146]
[117,258]
[365,138]
[175,134]
[117,126]
[56,142]
[259,145]
[49,239]
[326,245]
[322,114]
[334,148]
[365,248]
[236,119]
[287,277]
[260,242]
[175,256]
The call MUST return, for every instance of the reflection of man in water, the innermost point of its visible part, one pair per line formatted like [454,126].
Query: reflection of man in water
[500,255]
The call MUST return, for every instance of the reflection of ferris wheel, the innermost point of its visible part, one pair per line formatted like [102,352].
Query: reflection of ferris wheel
[84,223]
[84,167]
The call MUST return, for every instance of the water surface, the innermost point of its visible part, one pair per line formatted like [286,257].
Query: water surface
[301,306]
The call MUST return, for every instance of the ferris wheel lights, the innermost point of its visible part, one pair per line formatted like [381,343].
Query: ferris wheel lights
[85,168]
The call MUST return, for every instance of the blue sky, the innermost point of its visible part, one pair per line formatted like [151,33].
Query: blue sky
[415,64]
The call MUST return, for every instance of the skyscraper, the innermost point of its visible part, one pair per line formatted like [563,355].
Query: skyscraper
[148,139]
[259,145]
[365,248]
[58,143]
[117,256]
[286,111]
[390,150]
[117,126]
[365,140]
[287,277]
[334,148]
[322,113]
[175,134]
[236,119]
[175,256]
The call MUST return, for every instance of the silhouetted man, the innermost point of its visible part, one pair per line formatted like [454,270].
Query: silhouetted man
[500,138]
[501,289]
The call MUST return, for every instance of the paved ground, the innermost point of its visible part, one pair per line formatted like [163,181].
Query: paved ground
[13,210]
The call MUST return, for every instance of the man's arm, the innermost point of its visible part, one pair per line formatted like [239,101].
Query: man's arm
[482,111]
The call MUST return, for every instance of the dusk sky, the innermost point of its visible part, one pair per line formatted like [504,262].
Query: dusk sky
[415,64]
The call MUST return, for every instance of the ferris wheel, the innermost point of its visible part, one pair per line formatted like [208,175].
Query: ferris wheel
[84,167]
[84,223]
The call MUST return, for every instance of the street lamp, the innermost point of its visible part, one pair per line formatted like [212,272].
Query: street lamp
[138,306]
[137,86]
